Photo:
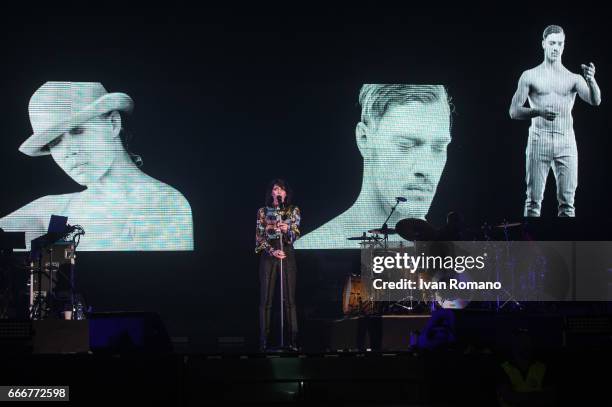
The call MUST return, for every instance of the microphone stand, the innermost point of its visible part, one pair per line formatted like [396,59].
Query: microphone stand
[282,300]
[282,291]
[384,229]
[384,226]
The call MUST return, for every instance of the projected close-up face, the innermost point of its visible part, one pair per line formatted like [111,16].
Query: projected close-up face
[87,151]
[553,46]
[79,124]
[405,154]
[402,135]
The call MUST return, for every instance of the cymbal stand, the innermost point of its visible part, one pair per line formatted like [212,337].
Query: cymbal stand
[39,305]
[509,298]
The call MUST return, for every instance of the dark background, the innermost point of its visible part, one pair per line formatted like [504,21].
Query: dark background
[228,99]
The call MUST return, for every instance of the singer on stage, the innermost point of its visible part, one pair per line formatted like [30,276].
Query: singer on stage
[279,218]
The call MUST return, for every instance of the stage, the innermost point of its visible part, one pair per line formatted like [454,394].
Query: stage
[128,357]
[369,378]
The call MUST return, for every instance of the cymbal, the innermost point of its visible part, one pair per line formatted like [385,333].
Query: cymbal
[363,237]
[508,225]
[415,229]
[388,231]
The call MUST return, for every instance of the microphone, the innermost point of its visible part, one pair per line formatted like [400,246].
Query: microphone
[401,199]
[281,202]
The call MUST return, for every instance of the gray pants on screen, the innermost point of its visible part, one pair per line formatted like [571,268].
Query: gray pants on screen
[546,149]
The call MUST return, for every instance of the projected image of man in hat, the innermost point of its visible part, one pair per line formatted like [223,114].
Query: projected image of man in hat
[79,124]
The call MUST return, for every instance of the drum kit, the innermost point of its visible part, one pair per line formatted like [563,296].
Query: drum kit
[357,298]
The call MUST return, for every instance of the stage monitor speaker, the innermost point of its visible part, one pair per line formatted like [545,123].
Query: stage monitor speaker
[588,331]
[60,336]
[490,329]
[377,333]
[127,332]
[15,336]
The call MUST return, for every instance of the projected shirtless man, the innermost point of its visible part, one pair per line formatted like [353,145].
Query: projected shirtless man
[551,90]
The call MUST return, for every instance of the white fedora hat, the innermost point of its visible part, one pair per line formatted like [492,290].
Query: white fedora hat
[56,107]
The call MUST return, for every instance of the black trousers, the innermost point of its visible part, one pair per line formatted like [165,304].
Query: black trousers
[269,268]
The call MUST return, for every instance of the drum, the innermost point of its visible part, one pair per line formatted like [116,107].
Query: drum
[448,299]
[353,297]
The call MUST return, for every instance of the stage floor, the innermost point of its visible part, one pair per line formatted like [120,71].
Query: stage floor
[443,377]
